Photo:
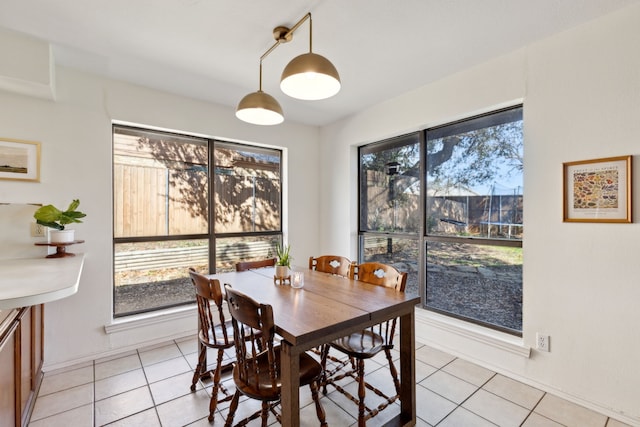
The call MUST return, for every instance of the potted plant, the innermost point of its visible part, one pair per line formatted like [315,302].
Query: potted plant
[54,218]
[284,260]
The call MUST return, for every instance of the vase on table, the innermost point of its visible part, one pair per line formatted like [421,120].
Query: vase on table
[282,271]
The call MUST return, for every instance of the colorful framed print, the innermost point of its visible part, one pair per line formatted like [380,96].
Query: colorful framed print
[597,190]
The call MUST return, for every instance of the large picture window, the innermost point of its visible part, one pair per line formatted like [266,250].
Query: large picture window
[445,205]
[473,216]
[165,220]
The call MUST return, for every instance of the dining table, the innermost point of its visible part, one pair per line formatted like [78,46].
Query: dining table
[328,307]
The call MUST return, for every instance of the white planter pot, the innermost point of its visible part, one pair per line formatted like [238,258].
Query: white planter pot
[282,271]
[61,236]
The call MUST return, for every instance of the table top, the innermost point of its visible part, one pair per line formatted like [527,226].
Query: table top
[327,306]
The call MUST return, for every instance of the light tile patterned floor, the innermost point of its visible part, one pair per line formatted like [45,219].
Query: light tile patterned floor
[150,387]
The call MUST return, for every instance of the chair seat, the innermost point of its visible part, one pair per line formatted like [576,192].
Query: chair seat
[364,344]
[218,333]
[261,387]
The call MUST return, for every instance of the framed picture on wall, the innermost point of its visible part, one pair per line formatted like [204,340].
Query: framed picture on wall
[19,160]
[597,190]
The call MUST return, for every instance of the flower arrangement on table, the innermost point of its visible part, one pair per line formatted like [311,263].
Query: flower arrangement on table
[283,264]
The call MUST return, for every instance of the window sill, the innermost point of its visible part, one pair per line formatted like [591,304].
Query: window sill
[495,339]
[147,319]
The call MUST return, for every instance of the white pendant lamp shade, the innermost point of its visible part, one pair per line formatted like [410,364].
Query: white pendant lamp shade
[310,77]
[260,108]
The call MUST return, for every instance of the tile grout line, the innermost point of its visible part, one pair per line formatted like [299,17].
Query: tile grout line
[534,407]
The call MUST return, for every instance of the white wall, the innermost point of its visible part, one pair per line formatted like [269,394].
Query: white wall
[75,133]
[581,95]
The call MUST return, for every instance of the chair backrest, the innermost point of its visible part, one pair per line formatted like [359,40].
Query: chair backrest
[254,329]
[382,275]
[333,264]
[379,274]
[210,311]
[249,265]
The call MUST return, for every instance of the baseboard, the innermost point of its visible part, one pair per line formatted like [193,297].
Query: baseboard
[119,352]
[499,340]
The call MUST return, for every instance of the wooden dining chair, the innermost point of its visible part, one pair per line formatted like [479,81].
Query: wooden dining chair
[333,264]
[257,372]
[250,265]
[215,332]
[366,344]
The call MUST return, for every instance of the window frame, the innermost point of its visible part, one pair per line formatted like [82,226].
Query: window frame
[424,237]
[211,236]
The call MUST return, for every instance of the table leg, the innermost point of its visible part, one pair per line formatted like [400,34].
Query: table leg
[290,372]
[407,369]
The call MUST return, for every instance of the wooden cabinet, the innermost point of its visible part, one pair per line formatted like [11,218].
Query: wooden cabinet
[21,356]
[7,371]
[25,285]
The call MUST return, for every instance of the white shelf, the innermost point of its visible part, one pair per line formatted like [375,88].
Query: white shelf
[31,281]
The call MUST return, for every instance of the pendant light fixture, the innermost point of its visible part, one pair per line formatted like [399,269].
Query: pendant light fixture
[308,77]
[260,108]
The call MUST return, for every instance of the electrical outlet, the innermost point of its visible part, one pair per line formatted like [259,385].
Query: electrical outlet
[542,342]
[37,230]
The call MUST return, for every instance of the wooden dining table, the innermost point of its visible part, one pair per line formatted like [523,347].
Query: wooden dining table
[326,308]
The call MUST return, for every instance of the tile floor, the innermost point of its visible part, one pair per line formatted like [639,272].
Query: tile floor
[150,387]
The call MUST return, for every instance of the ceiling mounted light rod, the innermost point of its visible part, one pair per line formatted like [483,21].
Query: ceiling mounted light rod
[285,35]
[308,77]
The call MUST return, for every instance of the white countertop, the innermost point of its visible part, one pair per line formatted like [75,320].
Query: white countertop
[31,281]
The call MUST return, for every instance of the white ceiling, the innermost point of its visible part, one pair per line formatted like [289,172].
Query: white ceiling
[210,49]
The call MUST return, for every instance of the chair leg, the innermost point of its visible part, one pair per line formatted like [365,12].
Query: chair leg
[197,374]
[232,409]
[357,373]
[324,352]
[217,386]
[394,371]
[319,409]
[265,413]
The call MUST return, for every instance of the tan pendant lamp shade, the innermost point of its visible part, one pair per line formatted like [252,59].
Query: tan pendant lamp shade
[260,108]
[310,77]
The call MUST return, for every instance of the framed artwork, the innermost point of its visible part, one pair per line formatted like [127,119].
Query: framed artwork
[19,160]
[597,190]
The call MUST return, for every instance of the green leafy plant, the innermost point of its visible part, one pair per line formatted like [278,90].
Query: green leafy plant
[284,258]
[52,217]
